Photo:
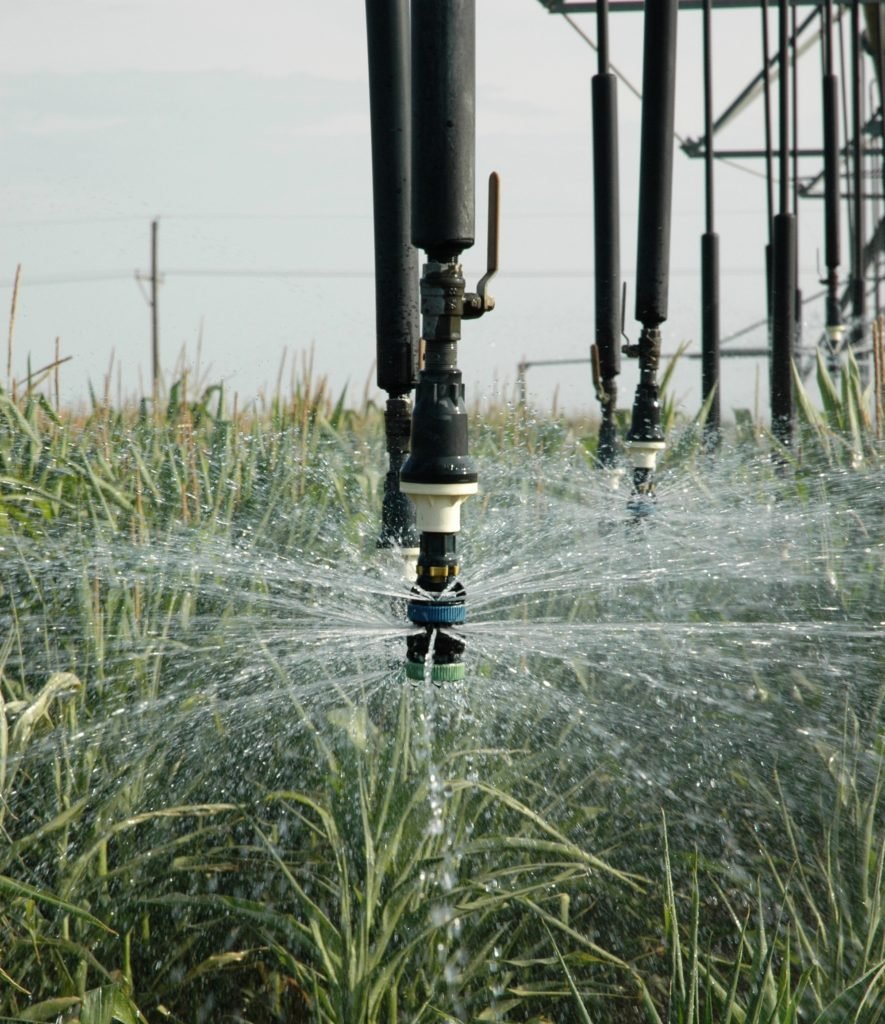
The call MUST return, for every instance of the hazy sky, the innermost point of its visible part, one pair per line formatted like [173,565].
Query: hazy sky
[244,125]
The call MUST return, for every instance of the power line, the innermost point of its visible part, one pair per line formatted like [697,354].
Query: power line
[306,273]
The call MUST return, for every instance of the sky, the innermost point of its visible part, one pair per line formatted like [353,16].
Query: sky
[243,125]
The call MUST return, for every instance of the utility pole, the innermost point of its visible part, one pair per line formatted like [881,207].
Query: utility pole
[151,297]
[155,327]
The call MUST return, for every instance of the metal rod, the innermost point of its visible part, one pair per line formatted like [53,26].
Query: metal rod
[726,353]
[797,339]
[857,268]
[832,228]
[637,6]
[709,255]
[794,85]
[708,113]
[784,107]
[759,154]
[602,44]
[769,163]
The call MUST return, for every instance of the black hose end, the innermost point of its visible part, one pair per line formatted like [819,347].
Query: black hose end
[398,529]
[643,501]
[645,423]
[606,448]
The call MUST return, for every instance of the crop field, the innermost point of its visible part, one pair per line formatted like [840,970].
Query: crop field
[656,798]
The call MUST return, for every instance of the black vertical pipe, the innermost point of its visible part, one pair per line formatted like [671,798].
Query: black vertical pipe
[857,267]
[784,107]
[783,326]
[646,437]
[783,292]
[879,175]
[794,51]
[656,162]
[606,238]
[709,254]
[443,126]
[832,254]
[396,260]
[794,99]
[769,162]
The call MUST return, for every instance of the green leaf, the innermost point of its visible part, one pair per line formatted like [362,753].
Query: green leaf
[21,891]
[48,1009]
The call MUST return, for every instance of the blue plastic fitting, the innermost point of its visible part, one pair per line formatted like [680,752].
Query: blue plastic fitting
[436,613]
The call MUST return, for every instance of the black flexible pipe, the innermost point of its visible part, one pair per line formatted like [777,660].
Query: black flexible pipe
[709,255]
[783,292]
[783,327]
[769,163]
[396,260]
[607,356]
[857,265]
[443,126]
[656,162]
[832,240]
[645,437]
[784,106]
[794,67]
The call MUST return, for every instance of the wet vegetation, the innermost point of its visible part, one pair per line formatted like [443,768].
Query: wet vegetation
[656,799]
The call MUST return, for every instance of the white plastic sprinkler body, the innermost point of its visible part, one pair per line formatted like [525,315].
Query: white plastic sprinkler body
[835,334]
[645,453]
[438,506]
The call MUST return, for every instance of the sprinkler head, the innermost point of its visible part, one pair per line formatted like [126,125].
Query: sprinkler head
[435,640]
[437,605]
[835,334]
[645,439]
[439,476]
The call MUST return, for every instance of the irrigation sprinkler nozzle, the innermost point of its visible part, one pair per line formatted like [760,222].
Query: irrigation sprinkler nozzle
[437,605]
[439,475]
[835,334]
[645,439]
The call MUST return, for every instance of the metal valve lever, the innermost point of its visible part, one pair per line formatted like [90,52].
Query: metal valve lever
[475,304]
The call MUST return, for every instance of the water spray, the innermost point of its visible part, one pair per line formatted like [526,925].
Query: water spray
[645,439]
[396,259]
[439,474]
